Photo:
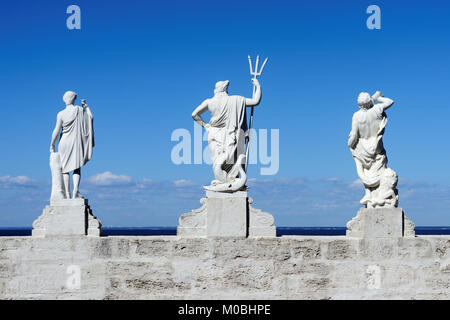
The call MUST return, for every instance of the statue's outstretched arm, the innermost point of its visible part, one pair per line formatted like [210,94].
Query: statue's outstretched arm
[256,99]
[198,111]
[56,133]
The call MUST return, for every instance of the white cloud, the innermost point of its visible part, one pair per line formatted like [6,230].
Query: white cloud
[325,206]
[277,182]
[109,179]
[409,193]
[17,181]
[183,183]
[357,184]
[144,183]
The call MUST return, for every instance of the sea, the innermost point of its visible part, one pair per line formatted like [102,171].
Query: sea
[172,231]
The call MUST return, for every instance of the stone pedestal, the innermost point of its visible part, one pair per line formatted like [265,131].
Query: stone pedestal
[226,215]
[380,223]
[68,217]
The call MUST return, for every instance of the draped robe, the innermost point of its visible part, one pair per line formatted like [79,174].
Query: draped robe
[77,140]
[370,151]
[226,137]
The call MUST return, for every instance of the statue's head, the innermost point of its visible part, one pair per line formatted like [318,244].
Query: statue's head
[69,97]
[365,100]
[221,86]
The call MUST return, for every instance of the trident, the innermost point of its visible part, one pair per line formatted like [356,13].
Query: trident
[255,74]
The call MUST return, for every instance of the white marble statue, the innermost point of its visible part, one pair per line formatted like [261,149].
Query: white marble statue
[366,144]
[74,126]
[226,135]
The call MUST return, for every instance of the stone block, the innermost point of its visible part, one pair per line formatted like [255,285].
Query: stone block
[380,223]
[226,214]
[68,217]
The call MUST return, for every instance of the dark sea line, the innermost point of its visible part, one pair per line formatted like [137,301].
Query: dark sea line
[171,231]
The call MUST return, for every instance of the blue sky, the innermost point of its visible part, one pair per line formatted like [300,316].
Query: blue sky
[143,66]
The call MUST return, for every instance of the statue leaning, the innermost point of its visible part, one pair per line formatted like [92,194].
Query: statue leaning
[227,130]
[366,144]
[74,127]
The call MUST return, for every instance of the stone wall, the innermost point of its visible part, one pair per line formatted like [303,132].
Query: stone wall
[296,267]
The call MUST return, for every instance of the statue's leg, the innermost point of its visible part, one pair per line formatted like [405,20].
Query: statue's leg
[66,179]
[76,182]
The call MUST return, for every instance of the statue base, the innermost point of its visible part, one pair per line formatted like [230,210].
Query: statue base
[226,214]
[68,217]
[375,223]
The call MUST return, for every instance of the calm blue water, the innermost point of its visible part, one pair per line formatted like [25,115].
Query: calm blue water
[281,231]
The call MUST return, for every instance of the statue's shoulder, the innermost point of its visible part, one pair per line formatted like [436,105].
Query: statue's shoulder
[60,113]
[237,97]
[357,114]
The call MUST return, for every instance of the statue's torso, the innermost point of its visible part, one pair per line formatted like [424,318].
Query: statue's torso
[67,114]
[77,139]
[216,105]
[369,122]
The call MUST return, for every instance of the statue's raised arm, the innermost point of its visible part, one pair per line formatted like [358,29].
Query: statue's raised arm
[384,103]
[256,99]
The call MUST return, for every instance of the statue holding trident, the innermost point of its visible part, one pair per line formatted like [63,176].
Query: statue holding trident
[227,133]
[226,209]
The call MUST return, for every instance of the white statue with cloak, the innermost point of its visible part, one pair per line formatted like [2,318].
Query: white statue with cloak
[366,144]
[226,210]
[74,127]
[227,130]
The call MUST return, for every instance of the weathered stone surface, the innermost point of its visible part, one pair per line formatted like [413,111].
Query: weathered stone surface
[341,249]
[225,214]
[67,217]
[414,248]
[167,267]
[390,222]
[305,249]
[260,224]
[377,248]
[442,248]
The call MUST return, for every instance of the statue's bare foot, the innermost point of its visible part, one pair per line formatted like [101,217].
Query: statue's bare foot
[78,196]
